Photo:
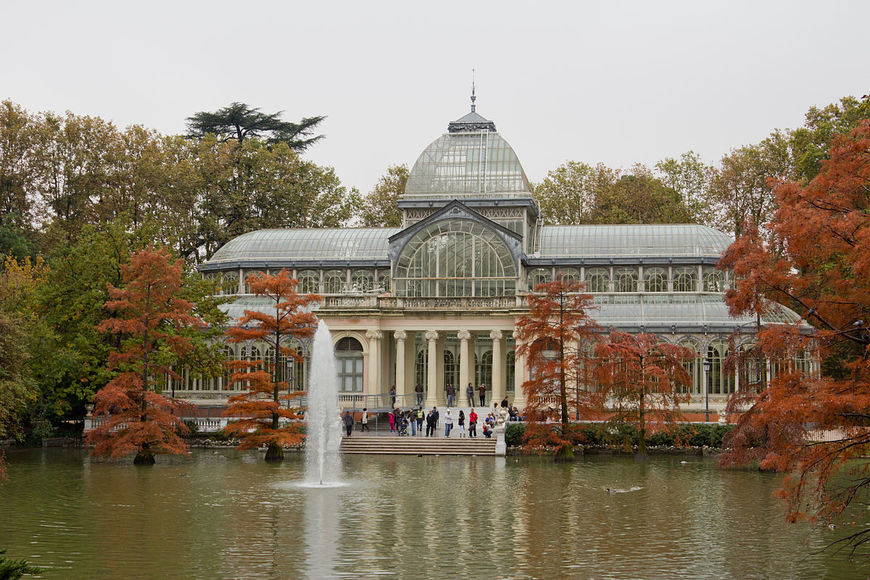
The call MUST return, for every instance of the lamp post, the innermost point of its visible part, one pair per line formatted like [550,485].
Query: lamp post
[708,364]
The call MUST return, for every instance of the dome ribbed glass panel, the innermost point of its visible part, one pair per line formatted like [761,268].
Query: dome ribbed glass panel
[473,164]
[664,240]
[298,244]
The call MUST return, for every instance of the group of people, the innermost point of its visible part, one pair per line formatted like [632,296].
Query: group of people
[450,391]
[401,421]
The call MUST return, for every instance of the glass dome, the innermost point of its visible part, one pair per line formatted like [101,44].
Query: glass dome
[476,163]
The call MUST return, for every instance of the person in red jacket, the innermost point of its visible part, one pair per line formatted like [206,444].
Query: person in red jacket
[472,424]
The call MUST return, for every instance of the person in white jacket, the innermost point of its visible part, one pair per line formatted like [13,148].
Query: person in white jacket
[448,423]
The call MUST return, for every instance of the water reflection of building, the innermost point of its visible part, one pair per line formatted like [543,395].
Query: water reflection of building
[435,301]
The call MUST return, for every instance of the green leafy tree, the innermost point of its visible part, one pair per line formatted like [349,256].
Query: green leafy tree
[810,144]
[690,178]
[14,569]
[639,197]
[378,208]
[237,121]
[567,195]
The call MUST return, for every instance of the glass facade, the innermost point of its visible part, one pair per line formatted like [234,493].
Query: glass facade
[455,258]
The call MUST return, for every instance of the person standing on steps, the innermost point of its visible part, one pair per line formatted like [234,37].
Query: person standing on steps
[430,423]
[481,390]
[393,396]
[348,422]
[451,395]
[448,423]
[364,421]
[461,422]
[419,390]
[436,415]
[472,424]
[392,419]
[469,392]
[420,416]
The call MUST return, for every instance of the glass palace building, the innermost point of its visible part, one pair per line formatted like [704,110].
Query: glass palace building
[435,301]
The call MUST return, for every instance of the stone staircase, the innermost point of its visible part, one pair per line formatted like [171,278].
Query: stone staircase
[418,445]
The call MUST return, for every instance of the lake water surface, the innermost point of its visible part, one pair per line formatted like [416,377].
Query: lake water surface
[226,514]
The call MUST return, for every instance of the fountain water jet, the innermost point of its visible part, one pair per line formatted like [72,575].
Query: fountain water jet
[322,460]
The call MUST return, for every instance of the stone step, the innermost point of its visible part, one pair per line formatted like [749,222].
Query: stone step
[418,446]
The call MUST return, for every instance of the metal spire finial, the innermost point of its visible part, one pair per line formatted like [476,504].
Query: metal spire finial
[473,97]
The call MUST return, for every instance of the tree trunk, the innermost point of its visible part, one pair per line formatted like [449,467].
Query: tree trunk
[565,454]
[274,453]
[144,456]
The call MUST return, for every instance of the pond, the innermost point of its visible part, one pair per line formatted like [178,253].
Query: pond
[226,514]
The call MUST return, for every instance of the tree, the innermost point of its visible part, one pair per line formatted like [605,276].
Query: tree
[13,569]
[813,258]
[567,195]
[742,188]
[262,420]
[378,209]
[238,121]
[810,144]
[690,178]
[577,194]
[152,322]
[638,197]
[18,389]
[645,380]
[555,336]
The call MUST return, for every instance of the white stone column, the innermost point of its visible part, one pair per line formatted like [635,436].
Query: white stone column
[497,337]
[432,368]
[401,385]
[519,377]
[374,370]
[464,365]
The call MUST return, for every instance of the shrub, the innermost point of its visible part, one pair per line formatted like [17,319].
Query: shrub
[513,433]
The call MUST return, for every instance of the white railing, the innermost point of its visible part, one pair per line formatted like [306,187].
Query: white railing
[412,303]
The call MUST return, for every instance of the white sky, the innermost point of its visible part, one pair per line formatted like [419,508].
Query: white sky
[616,82]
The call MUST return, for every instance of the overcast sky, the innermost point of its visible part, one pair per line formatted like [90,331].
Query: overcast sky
[615,82]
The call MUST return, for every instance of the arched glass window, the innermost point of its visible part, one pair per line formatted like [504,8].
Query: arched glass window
[714,280]
[625,280]
[349,359]
[655,279]
[309,282]
[598,280]
[455,258]
[334,282]
[362,281]
[225,380]
[451,370]
[569,274]
[719,381]
[510,372]
[685,279]
[230,283]
[693,367]
[539,276]
[420,373]
[251,273]
[383,280]
[484,369]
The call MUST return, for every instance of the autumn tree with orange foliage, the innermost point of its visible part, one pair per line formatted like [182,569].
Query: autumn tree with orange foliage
[151,322]
[556,338]
[818,263]
[645,381]
[261,419]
